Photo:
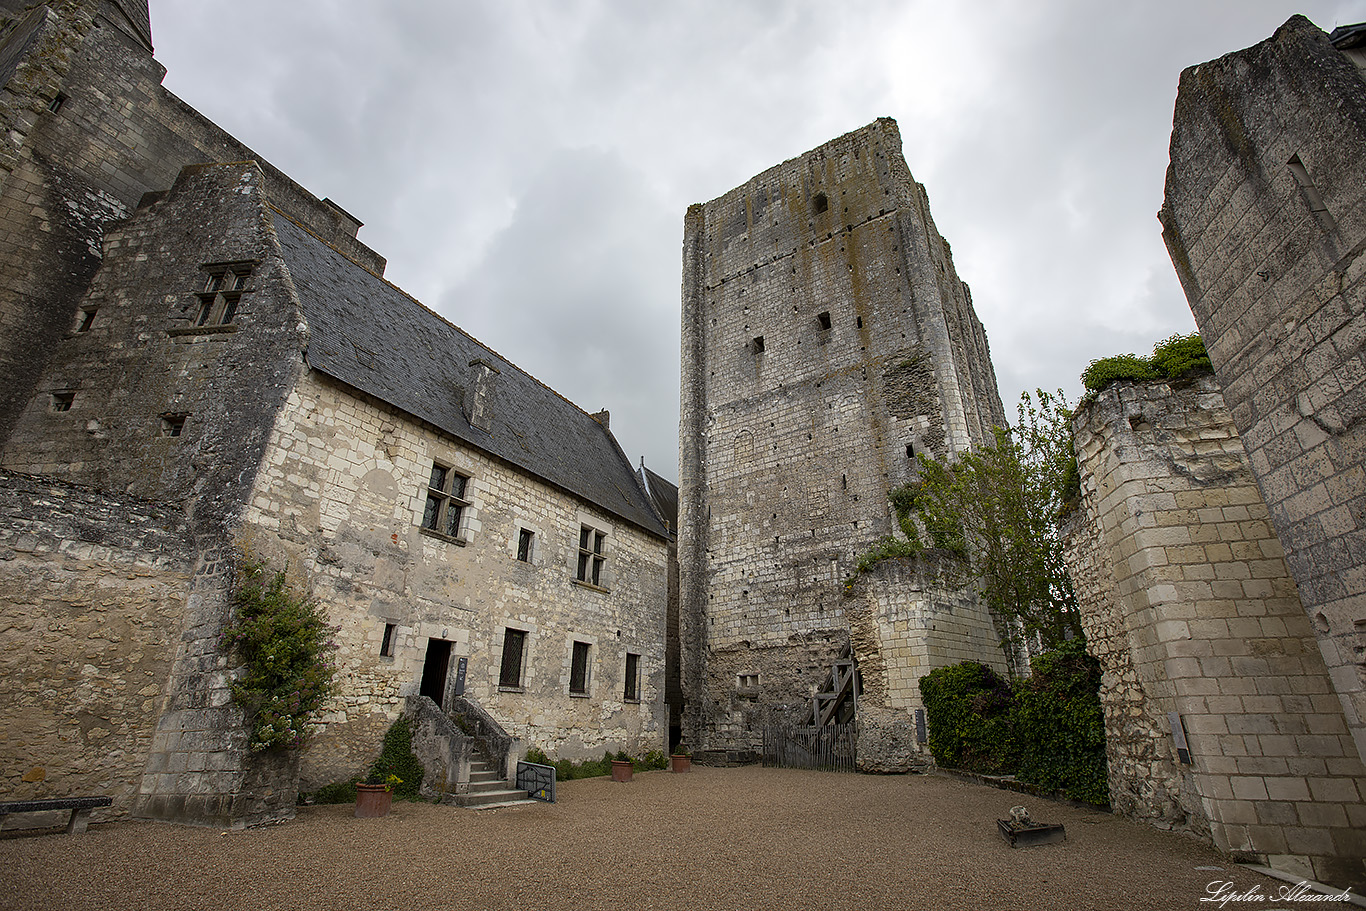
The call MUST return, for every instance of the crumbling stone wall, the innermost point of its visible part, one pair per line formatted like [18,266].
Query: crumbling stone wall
[1265,220]
[92,593]
[341,496]
[1200,598]
[907,618]
[826,340]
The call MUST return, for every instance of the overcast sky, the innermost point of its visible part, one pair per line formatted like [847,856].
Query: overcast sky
[525,165]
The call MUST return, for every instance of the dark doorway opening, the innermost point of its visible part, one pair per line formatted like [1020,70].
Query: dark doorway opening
[434,669]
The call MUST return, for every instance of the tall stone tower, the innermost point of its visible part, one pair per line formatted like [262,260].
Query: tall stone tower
[827,340]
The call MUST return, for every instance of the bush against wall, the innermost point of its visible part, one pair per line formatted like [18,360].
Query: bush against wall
[1060,726]
[285,647]
[968,707]
[1048,731]
[396,757]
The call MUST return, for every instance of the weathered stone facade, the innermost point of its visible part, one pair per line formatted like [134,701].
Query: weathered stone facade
[826,340]
[1265,219]
[206,361]
[1188,604]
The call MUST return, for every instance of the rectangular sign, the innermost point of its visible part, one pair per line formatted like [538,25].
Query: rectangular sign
[460,676]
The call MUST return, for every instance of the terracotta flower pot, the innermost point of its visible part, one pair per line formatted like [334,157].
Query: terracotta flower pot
[680,763]
[373,800]
[621,770]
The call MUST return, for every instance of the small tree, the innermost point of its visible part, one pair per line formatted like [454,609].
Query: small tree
[285,647]
[997,508]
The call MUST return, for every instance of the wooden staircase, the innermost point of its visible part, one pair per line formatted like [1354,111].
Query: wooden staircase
[838,700]
[488,792]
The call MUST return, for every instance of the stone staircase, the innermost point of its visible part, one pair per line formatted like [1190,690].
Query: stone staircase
[488,792]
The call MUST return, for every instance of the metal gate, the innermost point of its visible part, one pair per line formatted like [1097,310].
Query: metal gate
[827,748]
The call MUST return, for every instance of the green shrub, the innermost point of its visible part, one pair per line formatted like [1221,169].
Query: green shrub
[968,707]
[396,758]
[567,770]
[337,792]
[1180,354]
[1060,726]
[1104,371]
[285,647]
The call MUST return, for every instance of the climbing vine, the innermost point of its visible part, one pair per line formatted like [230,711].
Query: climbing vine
[285,647]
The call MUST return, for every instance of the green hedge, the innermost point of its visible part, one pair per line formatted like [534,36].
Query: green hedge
[969,710]
[1172,358]
[1048,730]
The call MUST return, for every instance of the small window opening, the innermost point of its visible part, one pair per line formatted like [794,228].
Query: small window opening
[910,450]
[510,670]
[578,670]
[56,103]
[1311,194]
[823,319]
[62,401]
[172,425]
[860,322]
[758,344]
[524,545]
[820,203]
[632,693]
[386,647]
[446,501]
[87,319]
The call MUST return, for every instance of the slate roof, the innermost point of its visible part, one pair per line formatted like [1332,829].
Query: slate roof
[663,494]
[370,335]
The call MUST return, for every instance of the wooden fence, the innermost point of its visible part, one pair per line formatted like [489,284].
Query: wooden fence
[828,748]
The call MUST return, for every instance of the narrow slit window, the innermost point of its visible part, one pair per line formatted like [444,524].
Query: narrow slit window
[632,693]
[1311,194]
[87,319]
[578,670]
[56,103]
[386,646]
[524,537]
[510,670]
[758,344]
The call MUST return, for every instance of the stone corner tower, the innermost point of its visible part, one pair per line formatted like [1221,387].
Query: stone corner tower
[826,340]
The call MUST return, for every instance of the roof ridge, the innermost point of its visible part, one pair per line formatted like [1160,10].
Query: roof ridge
[507,360]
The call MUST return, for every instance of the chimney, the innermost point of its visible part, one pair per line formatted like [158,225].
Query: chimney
[478,404]
[603,417]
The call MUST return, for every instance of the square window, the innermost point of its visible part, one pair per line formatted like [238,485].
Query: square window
[510,670]
[172,425]
[386,646]
[62,401]
[632,677]
[592,555]
[823,320]
[524,545]
[578,670]
[445,506]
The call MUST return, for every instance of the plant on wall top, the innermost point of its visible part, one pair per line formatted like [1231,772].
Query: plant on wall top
[285,647]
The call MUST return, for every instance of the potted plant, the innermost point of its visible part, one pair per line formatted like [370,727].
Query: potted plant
[375,795]
[680,760]
[622,767]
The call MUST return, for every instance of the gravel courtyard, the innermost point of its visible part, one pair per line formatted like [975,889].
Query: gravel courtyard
[742,838]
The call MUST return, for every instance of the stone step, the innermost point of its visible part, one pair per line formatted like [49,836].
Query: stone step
[506,803]
[483,775]
[481,798]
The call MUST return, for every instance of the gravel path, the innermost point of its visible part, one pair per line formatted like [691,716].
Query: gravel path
[744,838]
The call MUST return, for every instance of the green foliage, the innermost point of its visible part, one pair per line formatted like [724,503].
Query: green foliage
[566,770]
[284,644]
[997,509]
[1060,725]
[396,758]
[653,759]
[968,707]
[337,792]
[1049,730]
[1172,358]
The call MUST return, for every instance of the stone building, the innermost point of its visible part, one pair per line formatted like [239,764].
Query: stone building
[201,358]
[827,340]
[1265,220]
[1221,715]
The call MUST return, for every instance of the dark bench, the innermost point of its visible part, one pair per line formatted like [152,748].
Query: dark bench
[80,808]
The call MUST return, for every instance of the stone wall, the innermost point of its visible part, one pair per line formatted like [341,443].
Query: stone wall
[1265,219]
[1199,598]
[93,591]
[341,496]
[826,340]
[907,618]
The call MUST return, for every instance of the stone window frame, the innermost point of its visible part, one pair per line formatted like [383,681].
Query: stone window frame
[85,318]
[512,632]
[388,643]
[438,524]
[591,562]
[581,668]
[526,545]
[631,691]
[61,401]
[217,304]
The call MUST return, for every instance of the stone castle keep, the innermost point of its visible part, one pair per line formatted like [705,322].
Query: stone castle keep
[200,357]
[827,340]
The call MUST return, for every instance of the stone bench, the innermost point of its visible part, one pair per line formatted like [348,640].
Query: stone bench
[80,808]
